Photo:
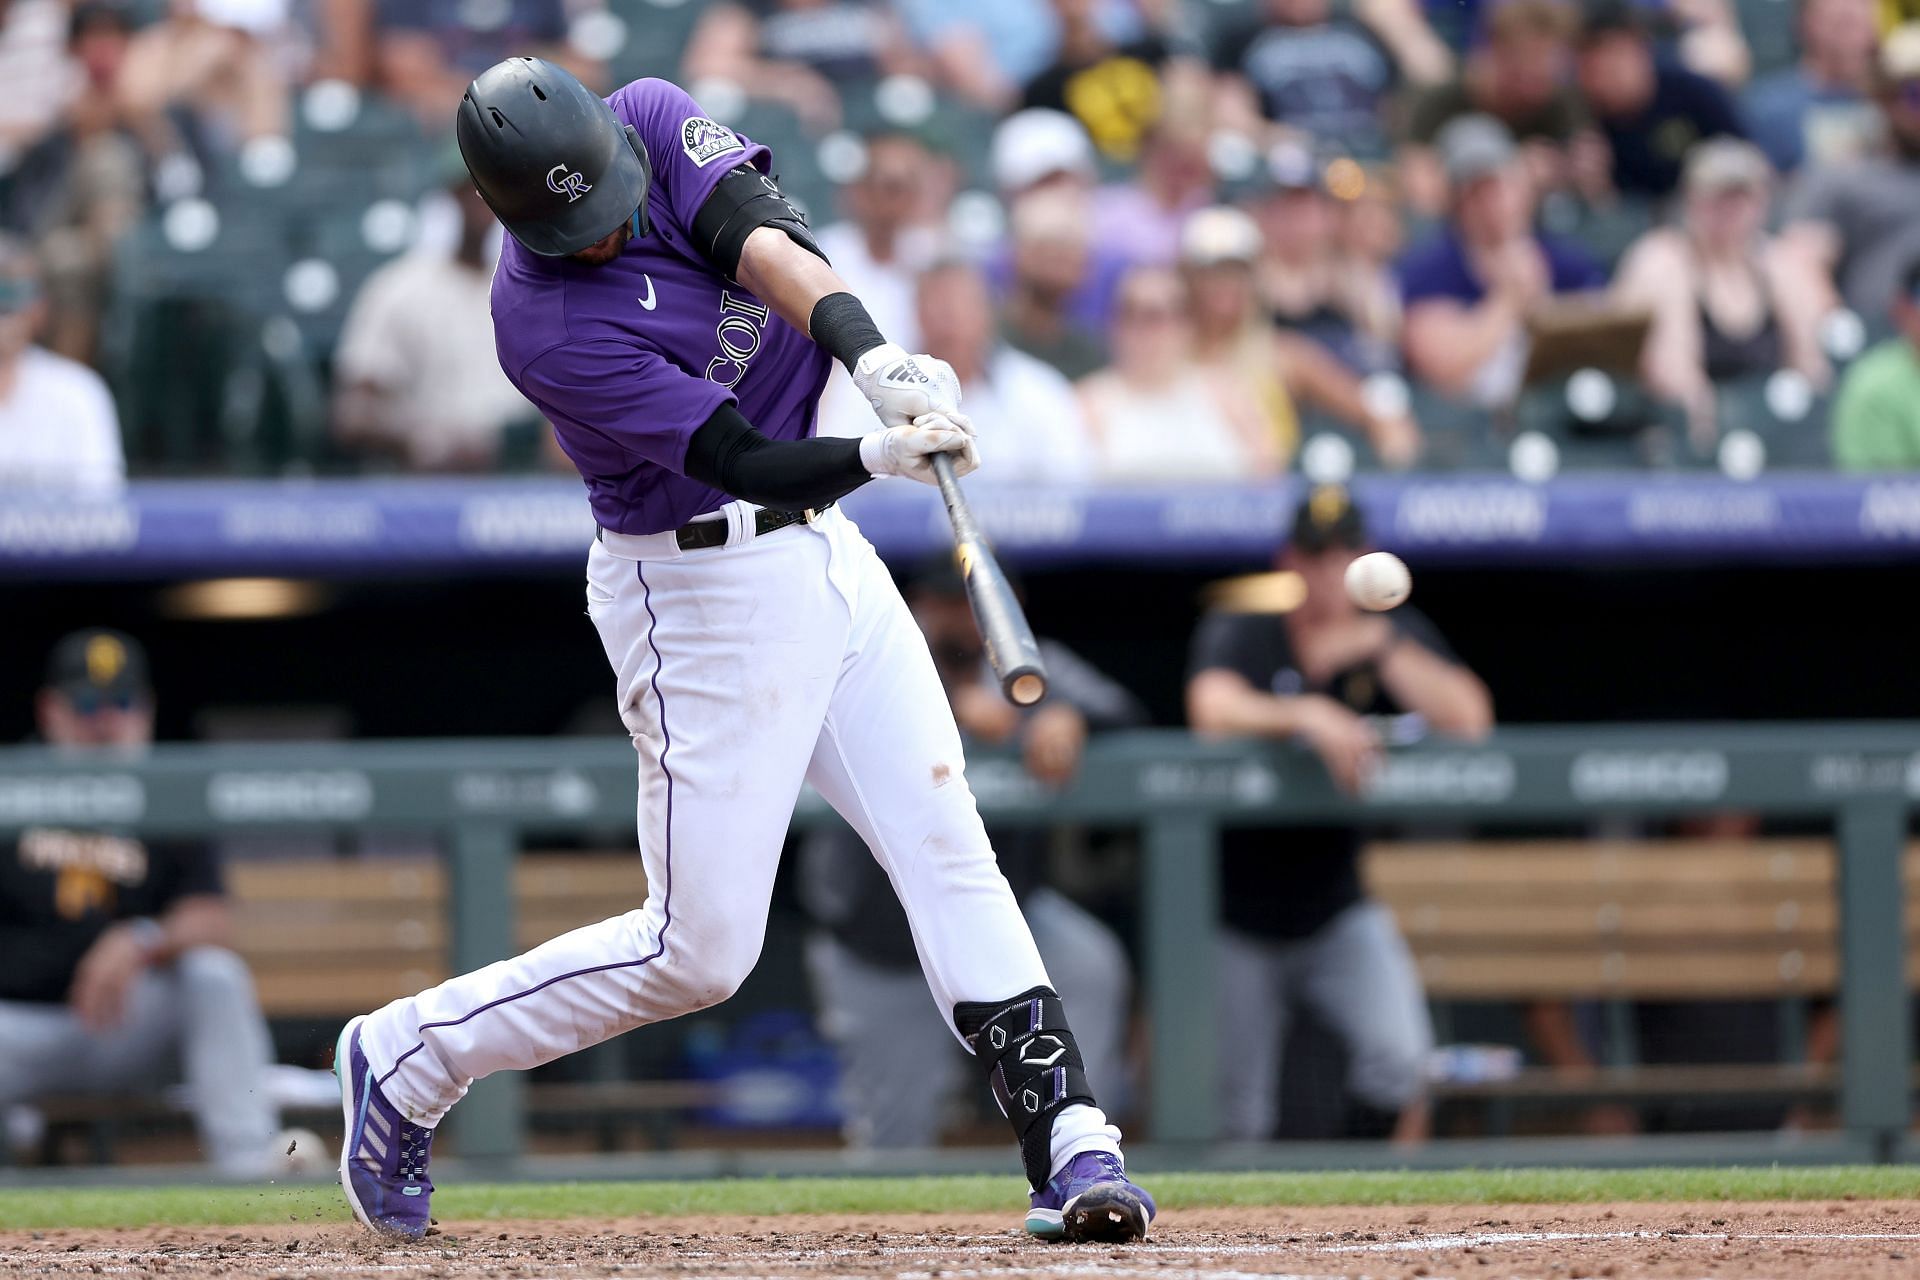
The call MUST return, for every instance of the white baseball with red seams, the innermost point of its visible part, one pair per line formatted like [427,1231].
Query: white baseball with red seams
[802,629]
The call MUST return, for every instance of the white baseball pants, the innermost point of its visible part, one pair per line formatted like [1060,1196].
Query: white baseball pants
[743,671]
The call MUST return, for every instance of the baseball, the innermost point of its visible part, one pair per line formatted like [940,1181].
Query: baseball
[1379,581]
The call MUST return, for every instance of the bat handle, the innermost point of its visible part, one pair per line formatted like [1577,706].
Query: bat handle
[944,477]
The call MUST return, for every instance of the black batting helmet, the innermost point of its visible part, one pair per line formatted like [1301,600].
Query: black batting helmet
[550,158]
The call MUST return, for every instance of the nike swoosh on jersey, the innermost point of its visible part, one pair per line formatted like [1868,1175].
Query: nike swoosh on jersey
[648,301]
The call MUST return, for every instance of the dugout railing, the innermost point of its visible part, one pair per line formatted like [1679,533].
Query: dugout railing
[482,796]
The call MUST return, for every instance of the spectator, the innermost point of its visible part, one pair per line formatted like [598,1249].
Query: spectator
[1370,236]
[78,190]
[1023,409]
[1308,279]
[1322,77]
[59,434]
[891,234]
[892,230]
[986,49]
[1821,107]
[39,77]
[1157,415]
[426,52]
[1118,91]
[796,51]
[113,951]
[1855,221]
[1651,111]
[1051,256]
[1273,369]
[1727,302]
[1521,75]
[1140,219]
[1469,289]
[1297,928]
[415,372]
[900,1067]
[1038,152]
[1876,416]
[212,66]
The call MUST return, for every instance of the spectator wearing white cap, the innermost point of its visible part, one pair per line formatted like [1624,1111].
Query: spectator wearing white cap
[1855,221]
[1042,153]
[1469,288]
[1727,302]
[1273,368]
[1156,414]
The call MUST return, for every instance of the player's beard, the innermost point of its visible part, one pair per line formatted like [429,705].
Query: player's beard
[606,248]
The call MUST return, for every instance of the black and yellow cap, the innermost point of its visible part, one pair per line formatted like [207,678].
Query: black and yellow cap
[1327,518]
[99,661]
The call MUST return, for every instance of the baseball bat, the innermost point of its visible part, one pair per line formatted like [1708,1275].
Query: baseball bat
[1011,648]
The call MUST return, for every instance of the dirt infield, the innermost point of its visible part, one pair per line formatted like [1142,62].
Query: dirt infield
[1820,1241]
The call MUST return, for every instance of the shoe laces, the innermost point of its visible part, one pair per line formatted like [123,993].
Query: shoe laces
[415,1146]
[1108,1164]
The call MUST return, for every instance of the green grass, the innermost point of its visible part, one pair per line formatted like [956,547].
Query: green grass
[235,1206]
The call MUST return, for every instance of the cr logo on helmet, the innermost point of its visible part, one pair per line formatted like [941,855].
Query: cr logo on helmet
[562,181]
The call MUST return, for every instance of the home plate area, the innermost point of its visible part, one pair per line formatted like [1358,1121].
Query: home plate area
[1803,1241]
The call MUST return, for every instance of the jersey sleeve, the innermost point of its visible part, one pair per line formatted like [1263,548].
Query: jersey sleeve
[632,396]
[1230,642]
[689,150]
[191,870]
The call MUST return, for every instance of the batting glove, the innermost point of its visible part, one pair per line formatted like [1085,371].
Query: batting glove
[908,451]
[902,387]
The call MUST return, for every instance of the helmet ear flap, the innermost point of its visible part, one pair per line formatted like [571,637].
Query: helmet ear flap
[643,225]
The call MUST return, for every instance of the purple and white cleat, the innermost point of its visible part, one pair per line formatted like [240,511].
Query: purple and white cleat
[383,1158]
[1091,1200]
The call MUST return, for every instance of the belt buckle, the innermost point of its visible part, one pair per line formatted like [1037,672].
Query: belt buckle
[812,514]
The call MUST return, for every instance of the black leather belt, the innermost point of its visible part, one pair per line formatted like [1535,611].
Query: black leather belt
[702,534]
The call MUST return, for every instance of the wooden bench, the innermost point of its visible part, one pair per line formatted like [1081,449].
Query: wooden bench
[331,938]
[1636,920]
[1620,921]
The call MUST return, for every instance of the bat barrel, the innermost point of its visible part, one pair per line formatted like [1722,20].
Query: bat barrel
[1012,650]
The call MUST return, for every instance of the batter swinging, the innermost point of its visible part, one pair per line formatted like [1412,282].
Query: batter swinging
[670,313]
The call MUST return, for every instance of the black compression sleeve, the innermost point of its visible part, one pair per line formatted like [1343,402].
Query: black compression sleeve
[787,475]
[841,327]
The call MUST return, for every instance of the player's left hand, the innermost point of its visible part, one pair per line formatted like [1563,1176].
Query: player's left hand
[903,387]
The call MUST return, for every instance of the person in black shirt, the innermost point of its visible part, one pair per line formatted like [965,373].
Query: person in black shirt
[1298,927]
[900,1065]
[1117,91]
[1650,109]
[113,959]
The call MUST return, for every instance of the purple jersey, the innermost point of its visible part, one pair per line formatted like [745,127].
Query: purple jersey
[629,359]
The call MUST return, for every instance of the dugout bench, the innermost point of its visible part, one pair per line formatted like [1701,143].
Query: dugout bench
[485,799]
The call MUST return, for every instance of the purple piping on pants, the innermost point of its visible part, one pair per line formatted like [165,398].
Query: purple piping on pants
[666,923]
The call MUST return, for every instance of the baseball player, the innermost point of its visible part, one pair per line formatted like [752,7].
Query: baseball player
[669,312]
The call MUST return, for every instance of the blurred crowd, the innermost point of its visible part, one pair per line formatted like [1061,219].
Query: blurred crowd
[1161,240]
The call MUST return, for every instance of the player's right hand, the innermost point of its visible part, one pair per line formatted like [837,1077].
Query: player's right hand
[908,451]
[903,387]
